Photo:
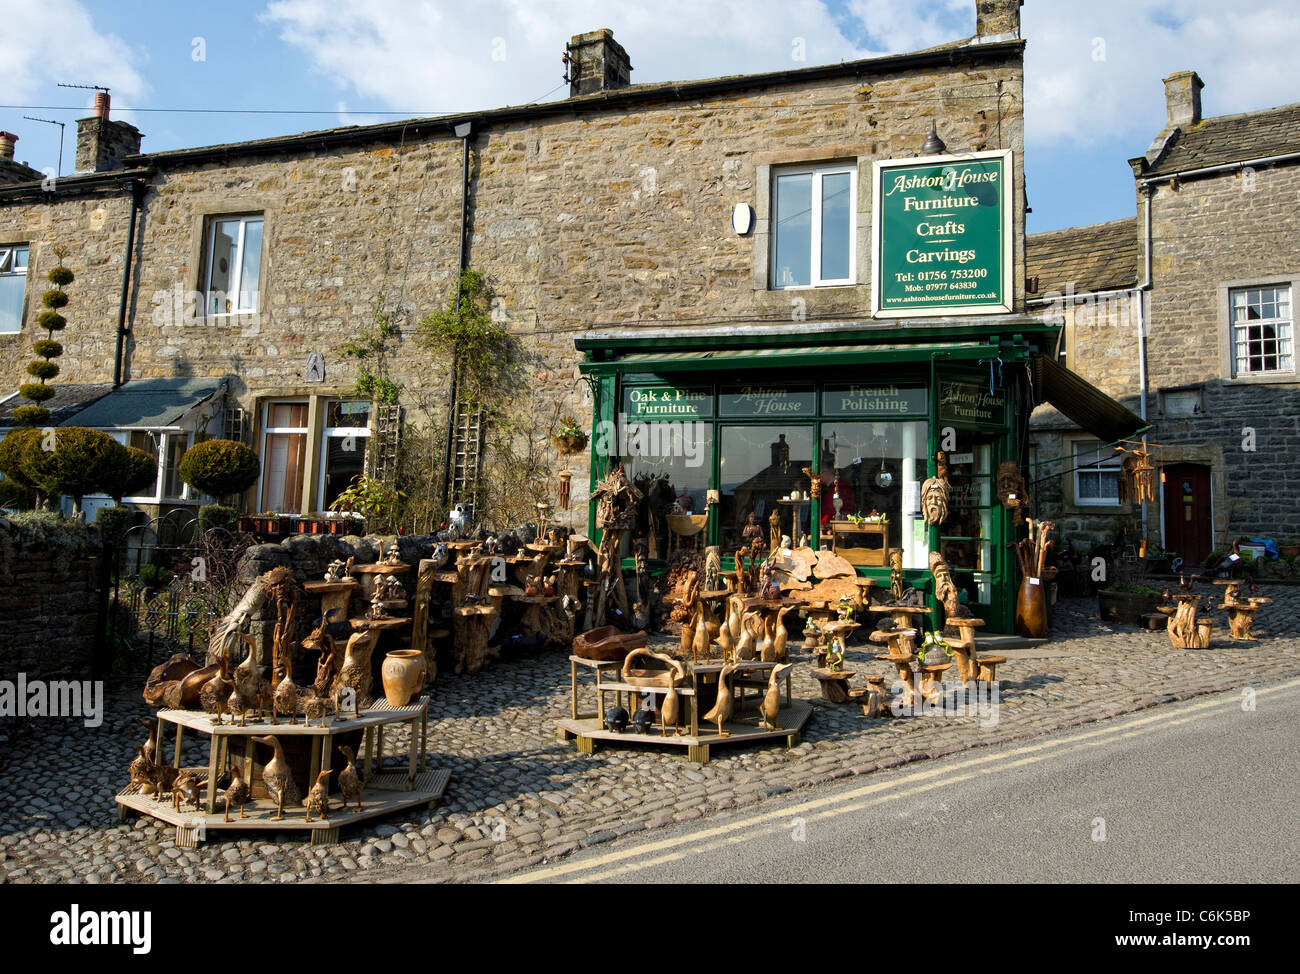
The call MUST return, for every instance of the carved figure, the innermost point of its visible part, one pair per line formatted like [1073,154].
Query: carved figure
[278,778]
[1012,491]
[349,780]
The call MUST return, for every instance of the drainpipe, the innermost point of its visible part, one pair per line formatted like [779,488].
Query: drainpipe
[137,197]
[1148,191]
[464,132]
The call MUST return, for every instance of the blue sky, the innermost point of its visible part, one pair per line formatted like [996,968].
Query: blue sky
[1093,70]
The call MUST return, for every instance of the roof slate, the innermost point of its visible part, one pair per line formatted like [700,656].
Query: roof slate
[1231,138]
[68,400]
[1100,257]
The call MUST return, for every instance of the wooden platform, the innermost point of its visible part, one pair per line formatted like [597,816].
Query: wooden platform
[385,794]
[743,729]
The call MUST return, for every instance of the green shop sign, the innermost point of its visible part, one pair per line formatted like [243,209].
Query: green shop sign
[667,402]
[941,239]
[876,401]
[771,402]
[965,402]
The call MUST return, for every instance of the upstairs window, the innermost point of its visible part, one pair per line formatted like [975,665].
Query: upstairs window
[232,265]
[814,236]
[1096,475]
[1261,329]
[13,287]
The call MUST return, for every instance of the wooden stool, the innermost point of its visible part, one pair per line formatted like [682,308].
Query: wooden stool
[1156,621]
[835,683]
[989,667]
[930,680]
[871,697]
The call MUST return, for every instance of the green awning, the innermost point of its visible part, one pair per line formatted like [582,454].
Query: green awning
[668,360]
[1084,403]
[146,404]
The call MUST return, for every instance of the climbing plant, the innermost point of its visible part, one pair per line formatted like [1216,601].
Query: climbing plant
[373,348]
[45,368]
[485,356]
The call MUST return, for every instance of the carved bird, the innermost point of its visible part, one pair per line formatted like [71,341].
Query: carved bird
[141,770]
[670,710]
[287,694]
[700,644]
[251,689]
[278,778]
[770,709]
[725,705]
[747,647]
[318,799]
[781,635]
[726,644]
[186,788]
[215,694]
[349,780]
[237,792]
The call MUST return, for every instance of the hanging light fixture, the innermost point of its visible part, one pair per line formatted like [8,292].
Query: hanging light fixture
[933,145]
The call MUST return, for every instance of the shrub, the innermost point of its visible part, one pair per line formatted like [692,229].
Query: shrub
[46,348]
[31,415]
[128,470]
[78,465]
[11,455]
[54,298]
[219,516]
[113,524]
[42,370]
[36,391]
[220,468]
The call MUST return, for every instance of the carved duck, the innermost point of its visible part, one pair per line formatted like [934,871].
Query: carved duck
[318,799]
[770,708]
[215,694]
[765,640]
[781,635]
[725,705]
[670,710]
[278,778]
[162,777]
[287,694]
[700,645]
[726,644]
[186,788]
[349,780]
[746,647]
[315,707]
[141,770]
[251,688]
[237,792]
[151,725]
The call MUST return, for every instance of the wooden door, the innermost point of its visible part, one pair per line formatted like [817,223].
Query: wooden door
[1189,530]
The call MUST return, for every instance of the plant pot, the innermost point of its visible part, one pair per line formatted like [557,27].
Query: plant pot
[1031,609]
[403,674]
[568,445]
[1128,607]
[1289,551]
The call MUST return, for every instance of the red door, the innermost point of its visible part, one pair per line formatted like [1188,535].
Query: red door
[1189,531]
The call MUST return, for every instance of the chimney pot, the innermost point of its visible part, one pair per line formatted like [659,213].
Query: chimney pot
[597,62]
[1183,99]
[7,140]
[101,104]
[994,18]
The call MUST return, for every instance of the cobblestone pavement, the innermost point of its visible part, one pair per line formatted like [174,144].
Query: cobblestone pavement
[519,797]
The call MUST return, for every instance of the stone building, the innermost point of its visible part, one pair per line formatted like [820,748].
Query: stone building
[635,236]
[1184,312]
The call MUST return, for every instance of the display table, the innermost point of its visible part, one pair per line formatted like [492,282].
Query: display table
[384,791]
[590,728]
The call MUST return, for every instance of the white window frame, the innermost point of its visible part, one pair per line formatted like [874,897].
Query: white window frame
[237,270]
[1284,328]
[268,430]
[1104,464]
[7,252]
[361,432]
[850,169]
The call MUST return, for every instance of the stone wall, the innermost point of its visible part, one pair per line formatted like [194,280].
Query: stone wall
[48,580]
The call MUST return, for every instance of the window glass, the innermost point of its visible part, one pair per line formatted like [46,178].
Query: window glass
[835,226]
[250,265]
[669,462]
[284,456]
[345,440]
[287,415]
[877,466]
[176,446]
[1262,329]
[232,265]
[150,445]
[793,230]
[966,537]
[13,287]
[758,466]
[1096,474]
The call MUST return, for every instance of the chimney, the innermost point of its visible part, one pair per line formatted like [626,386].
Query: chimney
[597,62]
[1183,99]
[997,18]
[101,143]
[11,171]
[7,140]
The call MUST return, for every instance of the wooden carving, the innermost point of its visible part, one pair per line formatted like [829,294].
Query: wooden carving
[1012,491]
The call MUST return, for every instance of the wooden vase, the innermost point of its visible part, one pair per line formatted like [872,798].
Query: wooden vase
[403,675]
[1031,609]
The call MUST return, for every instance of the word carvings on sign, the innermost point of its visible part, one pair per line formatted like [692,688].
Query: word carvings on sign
[942,235]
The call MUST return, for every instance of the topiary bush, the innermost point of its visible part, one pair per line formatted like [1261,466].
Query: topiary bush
[46,348]
[113,524]
[80,463]
[220,468]
[219,516]
[129,470]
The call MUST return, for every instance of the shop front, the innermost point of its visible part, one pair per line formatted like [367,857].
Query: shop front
[733,421]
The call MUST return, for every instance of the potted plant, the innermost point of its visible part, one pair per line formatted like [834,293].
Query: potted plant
[569,437]
[1289,548]
[370,499]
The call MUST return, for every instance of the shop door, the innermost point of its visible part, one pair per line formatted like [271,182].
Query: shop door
[1189,530]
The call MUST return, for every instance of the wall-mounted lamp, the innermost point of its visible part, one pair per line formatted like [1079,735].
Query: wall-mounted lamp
[742,219]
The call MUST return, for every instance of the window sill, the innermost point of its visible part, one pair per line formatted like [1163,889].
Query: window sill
[1107,509]
[815,287]
[1263,378]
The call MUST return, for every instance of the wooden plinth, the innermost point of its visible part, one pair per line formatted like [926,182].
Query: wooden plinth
[742,730]
[835,684]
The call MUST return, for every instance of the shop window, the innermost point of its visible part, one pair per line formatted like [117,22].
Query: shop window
[966,537]
[1096,475]
[877,466]
[759,465]
[284,456]
[13,287]
[813,231]
[1261,329]
[670,463]
[343,447]
[232,265]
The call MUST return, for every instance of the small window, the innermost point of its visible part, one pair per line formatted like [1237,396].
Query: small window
[1096,475]
[232,265]
[814,240]
[284,456]
[343,447]
[13,287]
[1261,329]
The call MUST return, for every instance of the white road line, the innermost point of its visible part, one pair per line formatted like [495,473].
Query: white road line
[895,786]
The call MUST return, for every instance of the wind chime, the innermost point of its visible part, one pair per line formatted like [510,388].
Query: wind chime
[1138,480]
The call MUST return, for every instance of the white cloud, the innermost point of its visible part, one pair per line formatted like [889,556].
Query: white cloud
[1093,70]
[56,40]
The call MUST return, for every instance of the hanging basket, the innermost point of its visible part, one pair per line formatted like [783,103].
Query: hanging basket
[569,444]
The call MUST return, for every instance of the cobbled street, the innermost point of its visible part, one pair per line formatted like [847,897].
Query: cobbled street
[519,797]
